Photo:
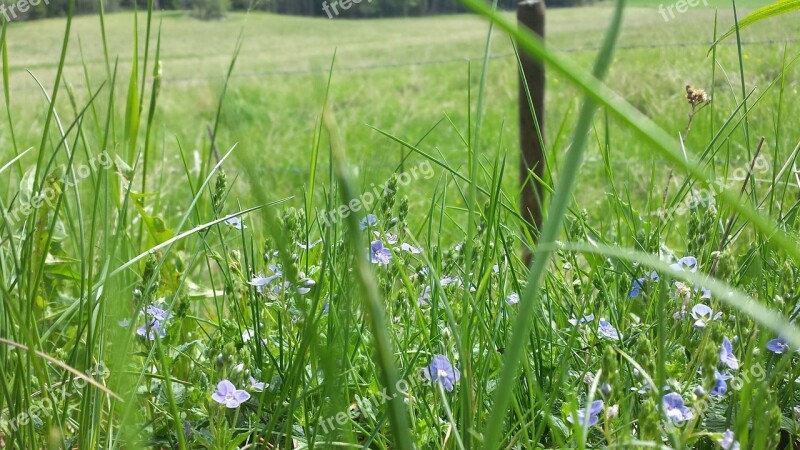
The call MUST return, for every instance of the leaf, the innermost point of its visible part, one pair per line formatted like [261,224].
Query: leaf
[766,12]
[155,225]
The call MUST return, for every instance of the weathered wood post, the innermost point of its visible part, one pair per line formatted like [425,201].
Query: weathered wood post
[531,14]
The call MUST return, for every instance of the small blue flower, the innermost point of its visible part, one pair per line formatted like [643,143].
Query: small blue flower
[727,442]
[587,417]
[236,222]
[607,331]
[380,254]
[585,319]
[447,281]
[410,249]
[675,409]
[441,371]
[720,386]
[687,262]
[638,284]
[369,221]
[726,356]
[228,395]
[702,315]
[257,386]
[424,296]
[390,238]
[512,298]
[157,313]
[778,346]
[151,330]
[259,282]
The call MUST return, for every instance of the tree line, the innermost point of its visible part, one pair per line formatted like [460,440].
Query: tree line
[216,9]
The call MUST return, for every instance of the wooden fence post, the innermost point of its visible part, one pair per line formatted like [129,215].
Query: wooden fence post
[531,14]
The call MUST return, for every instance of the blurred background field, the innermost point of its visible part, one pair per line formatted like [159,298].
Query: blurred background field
[403,76]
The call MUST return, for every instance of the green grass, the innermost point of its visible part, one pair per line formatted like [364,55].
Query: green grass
[271,115]
[296,137]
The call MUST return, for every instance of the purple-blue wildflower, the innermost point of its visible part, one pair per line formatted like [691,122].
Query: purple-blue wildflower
[675,409]
[778,346]
[728,442]
[687,262]
[726,356]
[151,330]
[236,222]
[410,249]
[228,395]
[370,221]
[259,282]
[638,284]
[587,417]
[585,319]
[512,298]
[720,386]
[257,386]
[703,314]
[606,330]
[380,254]
[441,371]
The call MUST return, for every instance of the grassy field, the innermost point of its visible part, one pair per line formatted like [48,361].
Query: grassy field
[137,312]
[399,75]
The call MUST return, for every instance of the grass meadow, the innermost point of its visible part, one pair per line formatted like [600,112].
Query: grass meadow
[280,232]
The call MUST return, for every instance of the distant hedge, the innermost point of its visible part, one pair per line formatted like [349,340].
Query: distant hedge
[213,9]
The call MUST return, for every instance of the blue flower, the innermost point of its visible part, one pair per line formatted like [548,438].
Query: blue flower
[585,319]
[587,417]
[259,282]
[720,387]
[154,323]
[441,371]
[151,330]
[390,238]
[157,313]
[512,299]
[236,222]
[778,346]
[447,281]
[607,331]
[424,296]
[257,386]
[228,395]
[369,221]
[702,315]
[687,262]
[727,442]
[726,356]
[675,409]
[380,254]
[410,248]
[638,284]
